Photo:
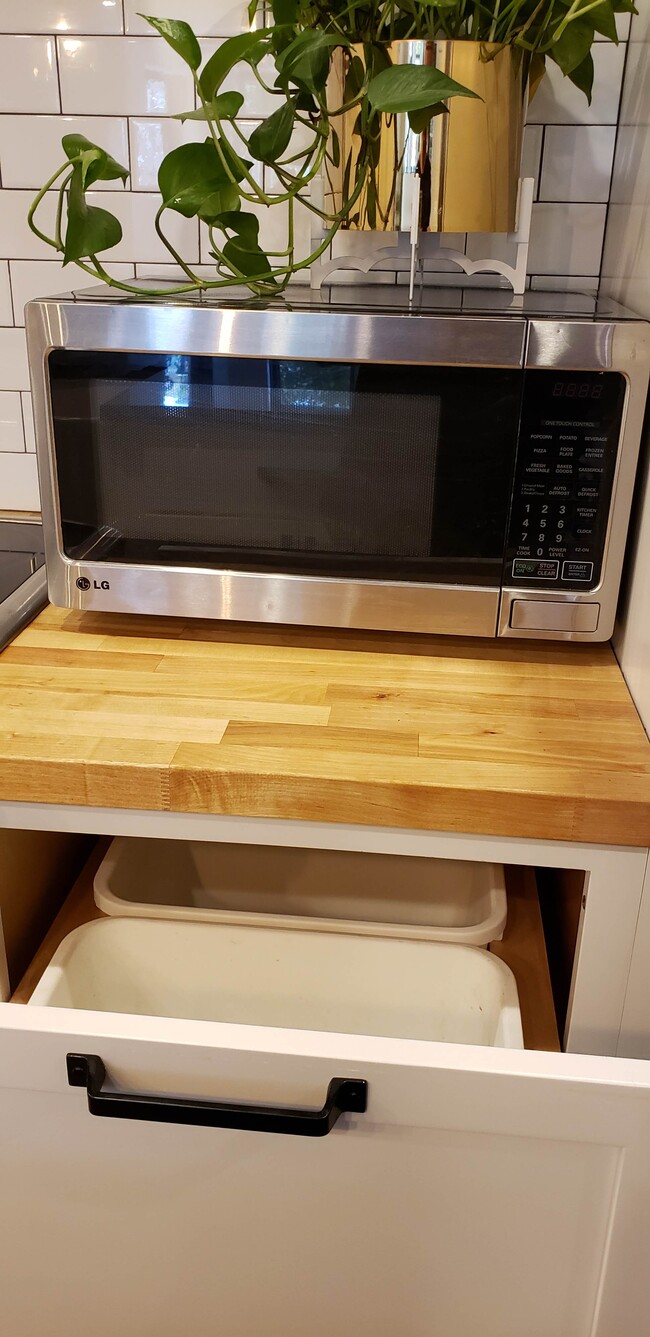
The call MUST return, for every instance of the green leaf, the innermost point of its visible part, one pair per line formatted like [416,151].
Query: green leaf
[536,71]
[234,160]
[334,149]
[419,120]
[247,227]
[189,175]
[222,201]
[604,20]
[229,54]
[583,77]
[180,37]
[305,102]
[249,260]
[412,87]
[285,11]
[88,230]
[624,7]
[573,45]
[222,108]
[271,139]
[253,7]
[378,59]
[97,164]
[306,61]
[354,78]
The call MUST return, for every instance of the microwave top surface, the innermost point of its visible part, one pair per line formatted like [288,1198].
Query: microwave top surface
[383,300]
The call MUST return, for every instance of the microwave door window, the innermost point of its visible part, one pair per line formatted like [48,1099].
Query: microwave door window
[378,472]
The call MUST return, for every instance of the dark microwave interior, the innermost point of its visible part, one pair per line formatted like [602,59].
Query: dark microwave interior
[321,468]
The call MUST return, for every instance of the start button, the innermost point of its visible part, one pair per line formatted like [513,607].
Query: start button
[551,615]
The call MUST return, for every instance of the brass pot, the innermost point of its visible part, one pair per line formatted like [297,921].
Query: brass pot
[467,159]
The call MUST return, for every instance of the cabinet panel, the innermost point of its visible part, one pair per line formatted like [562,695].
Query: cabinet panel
[487,1191]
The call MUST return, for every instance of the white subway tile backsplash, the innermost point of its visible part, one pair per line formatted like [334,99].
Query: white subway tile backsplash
[121,92]
[6,309]
[132,76]
[30,146]
[634,102]
[566,238]
[171,273]
[152,139]
[257,102]
[28,421]
[11,422]
[28,75]
[577,162]
[140,241]
[208,18]
[531,152]
[61,16]
[16,239]
[640,25]
[622,28]
[558,102]
[19,483]
[47,278]
[14,373]
[136,213]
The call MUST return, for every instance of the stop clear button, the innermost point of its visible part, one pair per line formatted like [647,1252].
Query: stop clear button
[551,615]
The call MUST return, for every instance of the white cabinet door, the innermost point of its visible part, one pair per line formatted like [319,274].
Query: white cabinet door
[484,1193]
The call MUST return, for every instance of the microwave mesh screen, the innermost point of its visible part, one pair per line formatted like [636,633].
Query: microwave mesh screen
[290,467]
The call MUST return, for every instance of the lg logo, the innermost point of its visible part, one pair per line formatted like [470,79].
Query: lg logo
[83,583]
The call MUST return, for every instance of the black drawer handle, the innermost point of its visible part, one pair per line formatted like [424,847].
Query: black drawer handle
[344,1094]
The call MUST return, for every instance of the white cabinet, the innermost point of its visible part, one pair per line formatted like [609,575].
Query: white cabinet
[484,1193]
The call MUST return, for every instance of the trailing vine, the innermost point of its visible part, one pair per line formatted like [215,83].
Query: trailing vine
[218,181]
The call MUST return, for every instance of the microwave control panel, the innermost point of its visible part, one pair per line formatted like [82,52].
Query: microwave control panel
[566,460]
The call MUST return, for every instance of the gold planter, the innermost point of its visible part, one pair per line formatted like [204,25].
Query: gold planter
[467,160]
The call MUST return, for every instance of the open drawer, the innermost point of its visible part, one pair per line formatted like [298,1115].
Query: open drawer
[459,1191]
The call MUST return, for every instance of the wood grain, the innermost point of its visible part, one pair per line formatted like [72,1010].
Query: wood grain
[78,908]
[523,949]
[513,739]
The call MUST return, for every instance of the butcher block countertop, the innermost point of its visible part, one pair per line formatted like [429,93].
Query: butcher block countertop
[516,739]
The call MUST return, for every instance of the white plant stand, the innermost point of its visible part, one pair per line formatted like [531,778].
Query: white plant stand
[369,249]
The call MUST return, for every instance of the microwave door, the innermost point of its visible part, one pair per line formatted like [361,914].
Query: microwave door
[283,490]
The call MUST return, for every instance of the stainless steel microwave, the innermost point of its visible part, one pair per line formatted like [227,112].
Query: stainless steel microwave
[465,470]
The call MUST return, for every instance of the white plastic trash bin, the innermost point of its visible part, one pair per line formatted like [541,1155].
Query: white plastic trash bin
[382,895]
[346,983]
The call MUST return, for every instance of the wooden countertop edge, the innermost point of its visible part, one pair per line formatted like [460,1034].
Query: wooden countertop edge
[498,812]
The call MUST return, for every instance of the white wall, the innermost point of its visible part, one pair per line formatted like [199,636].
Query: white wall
[91,65]
[626,276]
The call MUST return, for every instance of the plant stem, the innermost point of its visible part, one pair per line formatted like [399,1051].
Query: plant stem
[166,242]
[59,213]
[35,203]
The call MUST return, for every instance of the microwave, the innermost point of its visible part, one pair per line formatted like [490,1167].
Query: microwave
[327,462]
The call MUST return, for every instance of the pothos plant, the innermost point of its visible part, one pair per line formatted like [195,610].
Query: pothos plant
[218,180]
